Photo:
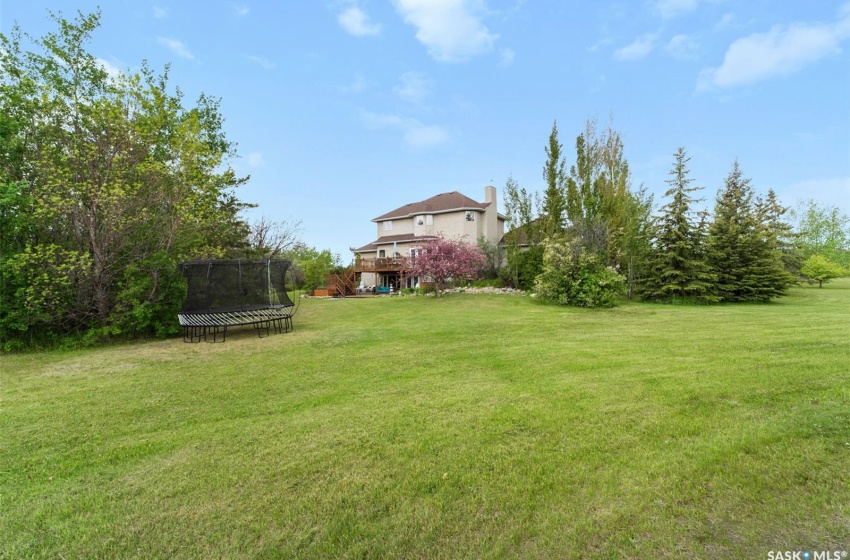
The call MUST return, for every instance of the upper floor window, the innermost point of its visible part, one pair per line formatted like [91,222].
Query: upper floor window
[388,225]
[470,216]
[429,219]
[382,253]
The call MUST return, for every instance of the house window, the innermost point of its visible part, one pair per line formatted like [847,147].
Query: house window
[470,216]
[381,254]
[429,220]
[388,225]
[420,220]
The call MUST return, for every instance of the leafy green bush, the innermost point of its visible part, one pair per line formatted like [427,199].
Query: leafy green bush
[43,284]
[524,267]
[489,283]
[151,295]
[426,288]
[820,269]
[577,277]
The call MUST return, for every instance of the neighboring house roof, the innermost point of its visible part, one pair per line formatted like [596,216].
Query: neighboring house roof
[446,202]
[390,239]
[519,235]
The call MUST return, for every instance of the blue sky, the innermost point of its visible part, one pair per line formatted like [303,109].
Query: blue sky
[345,109]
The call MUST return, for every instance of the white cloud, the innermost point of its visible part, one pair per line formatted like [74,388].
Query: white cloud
[425,136]
[159,13]
[782,51]
[358,84]
[416,133]
[637,49]
[450,29]
[834,192]
[414,88]
[356,21]
[111,70]
[176,47]
[264,62]
[598,85]
[241,10]
[506,57]
[378,120]
[669,9]
[682,47]
[724,22]
[255,159]
[599,44]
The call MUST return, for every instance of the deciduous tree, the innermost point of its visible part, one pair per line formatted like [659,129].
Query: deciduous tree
[109,181]
[525,233]
[602,210]
[822,229]
[270,239]
[554,176]
[820,269]
[442,260]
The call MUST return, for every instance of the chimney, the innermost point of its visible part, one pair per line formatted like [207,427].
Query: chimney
[490,194]
[491,221]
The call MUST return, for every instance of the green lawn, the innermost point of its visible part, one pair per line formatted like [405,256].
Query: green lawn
[473,426]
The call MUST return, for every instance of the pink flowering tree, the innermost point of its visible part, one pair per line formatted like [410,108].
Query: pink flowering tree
[442,260]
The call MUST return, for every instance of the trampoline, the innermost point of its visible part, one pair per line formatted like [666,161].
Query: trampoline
[229,293]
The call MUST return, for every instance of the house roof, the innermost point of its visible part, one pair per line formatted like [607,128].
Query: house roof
[445,202]
[519,234]
[390,239]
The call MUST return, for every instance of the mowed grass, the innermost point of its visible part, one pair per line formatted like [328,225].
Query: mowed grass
[473,426]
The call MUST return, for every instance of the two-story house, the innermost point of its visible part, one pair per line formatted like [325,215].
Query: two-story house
[400,233]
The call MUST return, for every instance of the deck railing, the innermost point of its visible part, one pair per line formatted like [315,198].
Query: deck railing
[383,264]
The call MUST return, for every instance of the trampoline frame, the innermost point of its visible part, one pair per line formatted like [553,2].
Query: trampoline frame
[213,322]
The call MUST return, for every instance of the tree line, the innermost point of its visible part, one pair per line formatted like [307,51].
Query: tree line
[591,237]
[106,183]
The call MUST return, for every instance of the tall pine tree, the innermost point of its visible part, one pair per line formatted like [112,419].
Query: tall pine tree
[784,260]
[554,173]
[677,266]
[731,236]
[743,243]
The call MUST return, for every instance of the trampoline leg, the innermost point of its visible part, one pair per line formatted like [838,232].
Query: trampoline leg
[214,331]
[192,334]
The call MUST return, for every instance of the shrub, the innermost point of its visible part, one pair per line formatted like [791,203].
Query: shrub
[491,283]
[575,276]
[524,267]
[820,269]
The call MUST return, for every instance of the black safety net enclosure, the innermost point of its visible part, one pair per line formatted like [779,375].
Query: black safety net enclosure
[226,293]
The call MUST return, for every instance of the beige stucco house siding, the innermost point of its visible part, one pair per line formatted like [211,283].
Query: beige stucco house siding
[451,215]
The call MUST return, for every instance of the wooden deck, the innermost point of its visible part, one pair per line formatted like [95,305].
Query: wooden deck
[383,264]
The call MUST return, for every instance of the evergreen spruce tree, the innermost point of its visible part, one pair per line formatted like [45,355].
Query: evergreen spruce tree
[743,244]
[731,236]
[677,266]
[782,262]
